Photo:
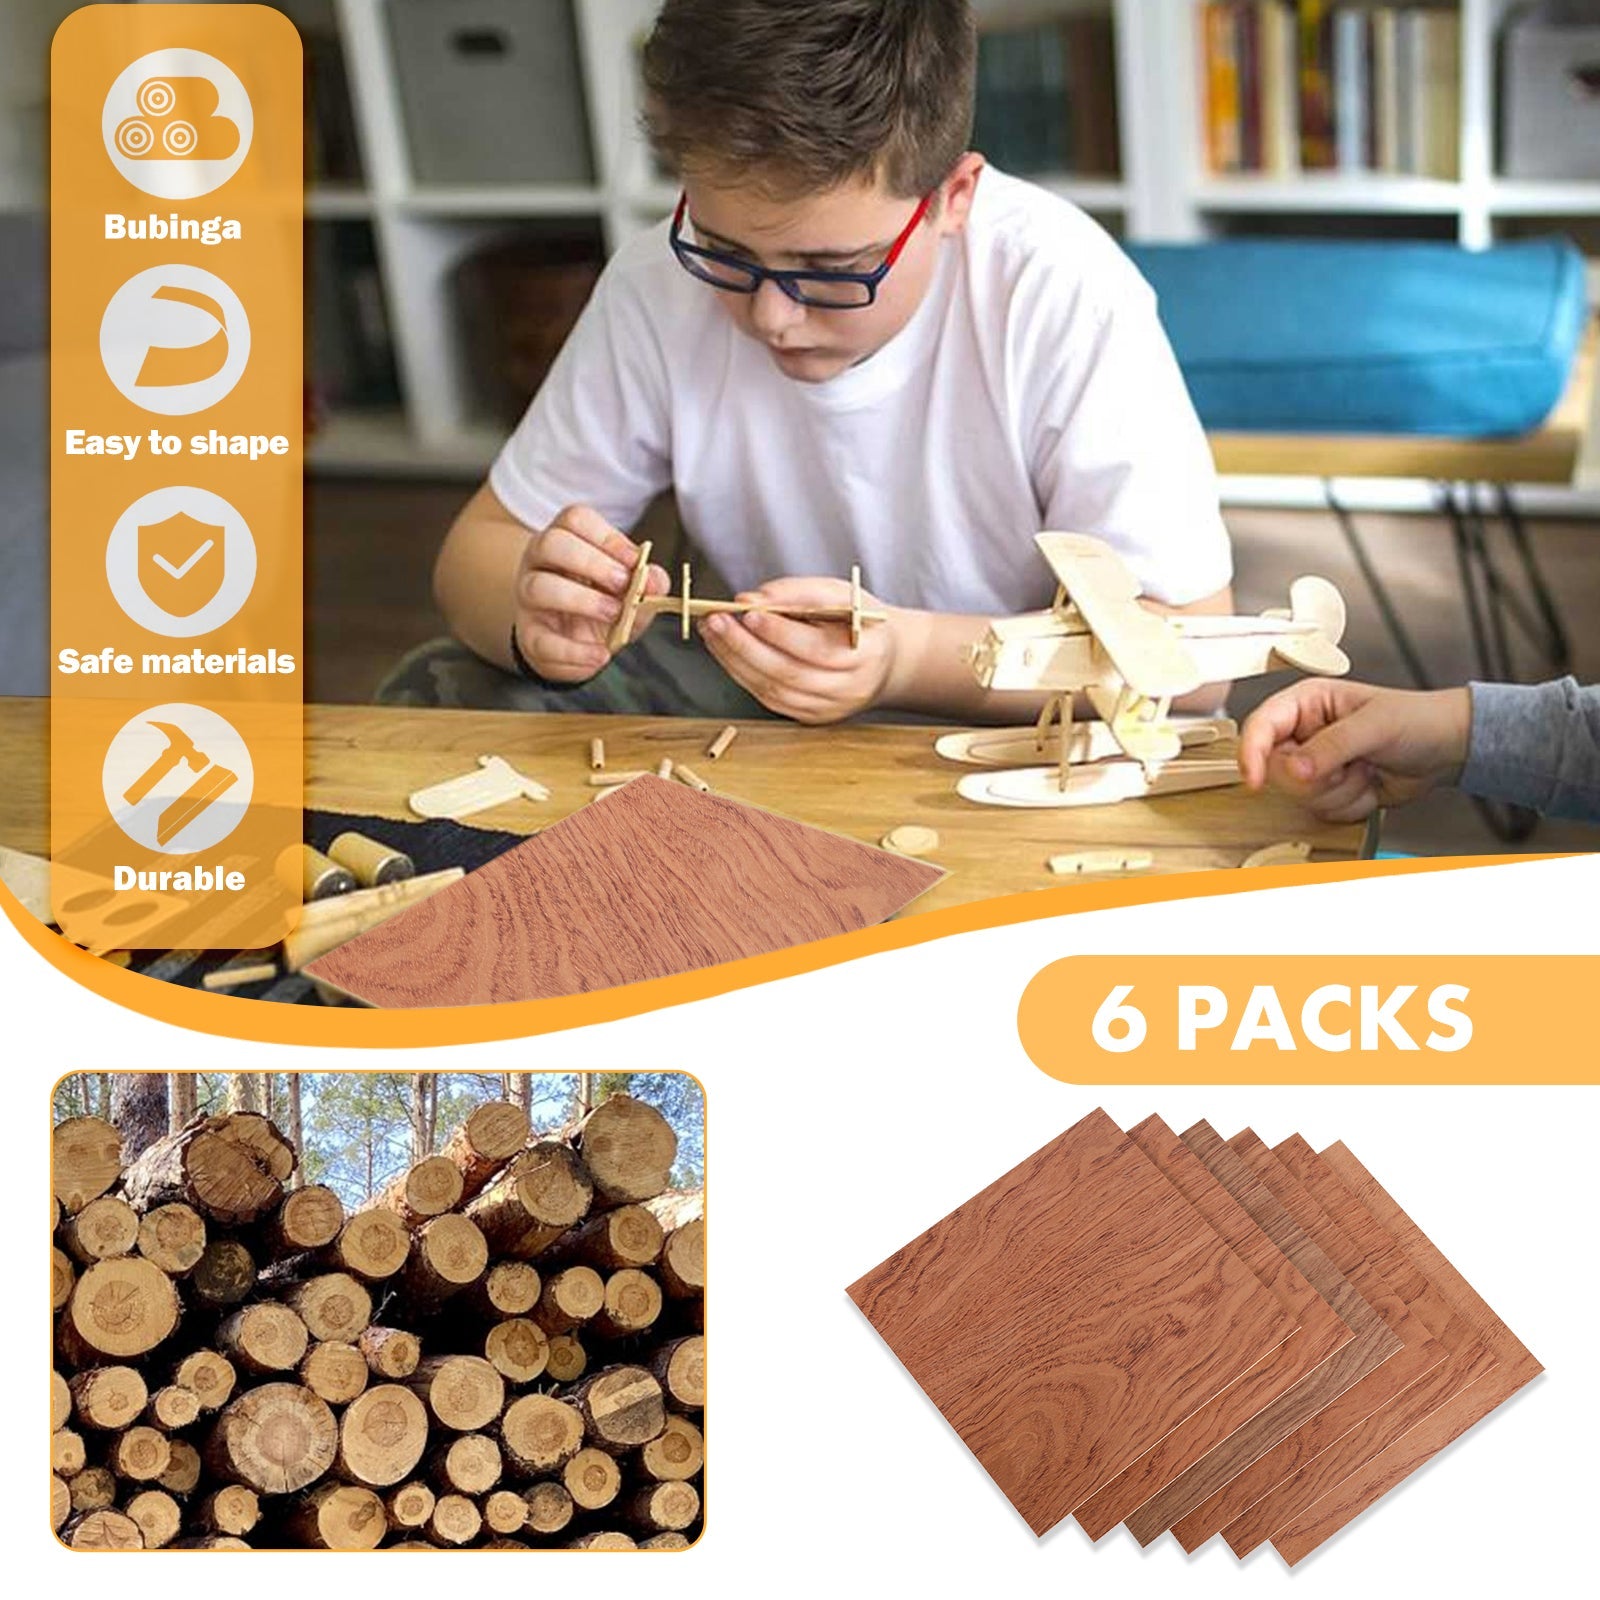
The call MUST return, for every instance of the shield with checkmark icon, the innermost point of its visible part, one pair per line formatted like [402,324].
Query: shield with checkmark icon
[181,563]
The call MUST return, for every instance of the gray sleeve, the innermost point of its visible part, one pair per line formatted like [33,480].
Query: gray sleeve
[1536,745]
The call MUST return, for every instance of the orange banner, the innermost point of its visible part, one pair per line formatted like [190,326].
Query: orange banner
[177,399]
[1312,1019]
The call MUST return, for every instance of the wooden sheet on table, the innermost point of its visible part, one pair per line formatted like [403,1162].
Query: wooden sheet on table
[653,880]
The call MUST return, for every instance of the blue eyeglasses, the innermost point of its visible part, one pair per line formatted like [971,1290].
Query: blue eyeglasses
[833,291]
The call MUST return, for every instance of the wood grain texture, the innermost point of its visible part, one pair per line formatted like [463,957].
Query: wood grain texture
[1469,1358]
[654,880]
[1419,1355]
[1374,1342]
[1515,1365]
[1070,1316]
[1321,1334]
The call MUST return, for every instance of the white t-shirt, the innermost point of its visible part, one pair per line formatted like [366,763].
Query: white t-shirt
[1033,389]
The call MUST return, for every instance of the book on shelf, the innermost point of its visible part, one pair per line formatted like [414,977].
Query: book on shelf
[1047,97]
[1312,85]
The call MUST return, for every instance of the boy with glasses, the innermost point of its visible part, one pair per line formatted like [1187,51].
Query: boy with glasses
[851,345]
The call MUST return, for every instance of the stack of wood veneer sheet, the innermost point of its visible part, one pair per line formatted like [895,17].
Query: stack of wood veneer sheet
[1202,1336]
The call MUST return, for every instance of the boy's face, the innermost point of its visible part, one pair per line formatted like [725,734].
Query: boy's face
[848,229]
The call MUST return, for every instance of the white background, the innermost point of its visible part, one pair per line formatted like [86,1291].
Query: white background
[849,1109]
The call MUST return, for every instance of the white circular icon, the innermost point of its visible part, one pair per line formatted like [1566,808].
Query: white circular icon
[177,779]
[174,339]
[177,124]
[181,562]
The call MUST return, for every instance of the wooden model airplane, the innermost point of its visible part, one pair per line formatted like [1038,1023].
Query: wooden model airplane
[1130,663]
[686,608]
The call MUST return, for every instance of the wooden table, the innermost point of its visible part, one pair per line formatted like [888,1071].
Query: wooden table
[855,779]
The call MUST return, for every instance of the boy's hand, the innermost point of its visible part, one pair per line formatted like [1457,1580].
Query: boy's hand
[1343,749]
[804,670]
[570,587]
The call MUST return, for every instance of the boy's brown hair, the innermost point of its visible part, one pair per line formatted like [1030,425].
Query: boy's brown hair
[803,95]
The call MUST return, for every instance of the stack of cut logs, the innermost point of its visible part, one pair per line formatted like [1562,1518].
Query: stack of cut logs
[504,1351]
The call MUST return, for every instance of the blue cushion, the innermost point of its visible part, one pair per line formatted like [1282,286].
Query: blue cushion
[1316,336]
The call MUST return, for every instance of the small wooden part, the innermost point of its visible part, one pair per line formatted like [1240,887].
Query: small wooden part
[372,1245]
[85,1160]
[335,1370]
[608,1540]
[592,1478]
[68,1453]
[911,840]
[550,1507]
[1291,853]
[410,1505]
[339,1516]
[123,1307]
[233,1509]
[156,1515]
[308,1219]
[540,1433]
[333,1305]
[172,1408]
[464,1392]
[316,936]
[495,783]
[469,1464]
[566,1359]
[686,617]
[689,776]
[238,973]
[1087,741]
[613,780]
[1086,863]
[105,1227]
[322,879]
[108,1397]
[856,613]
[664,767]
[139,1454]
[209,1376]
[382,1435]
[622,1408]
[1106,783]
[622,628]
[93,1489]
[517,1349]
[677,1454]
[60,1401]
[263,1338]
[183,1470]
[597,755]
[505,1511]
[718,747]
[224,1274]
[371,864]
[665,1507]
[276,1438]
[390,1352]
[633,1302]
[173,1236]
[103,1530]
[568,1298]
[455,1520]
[680,1368]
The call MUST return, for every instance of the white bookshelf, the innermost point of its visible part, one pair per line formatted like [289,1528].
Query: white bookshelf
[421,233]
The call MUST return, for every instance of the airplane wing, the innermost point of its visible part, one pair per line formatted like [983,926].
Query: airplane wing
[1147,653]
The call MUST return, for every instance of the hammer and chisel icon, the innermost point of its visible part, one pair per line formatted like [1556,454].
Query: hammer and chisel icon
[211,781]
